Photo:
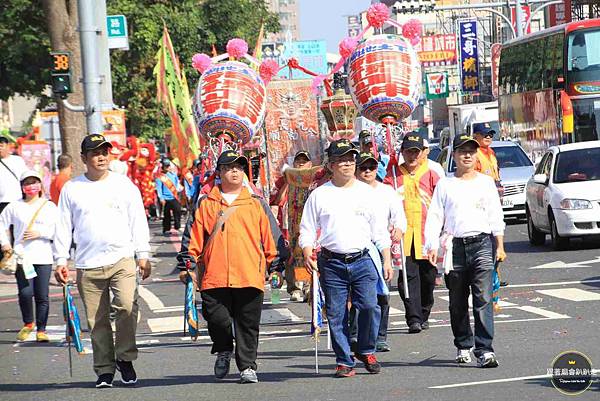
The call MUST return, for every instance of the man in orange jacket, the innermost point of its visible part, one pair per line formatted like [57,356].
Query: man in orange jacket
[234,240]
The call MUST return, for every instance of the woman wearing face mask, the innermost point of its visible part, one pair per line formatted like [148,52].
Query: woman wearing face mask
[34,220]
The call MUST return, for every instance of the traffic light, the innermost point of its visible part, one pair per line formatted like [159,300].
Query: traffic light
[61,73]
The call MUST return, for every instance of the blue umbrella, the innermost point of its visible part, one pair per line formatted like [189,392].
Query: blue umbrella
[73,324]
[190,312]
[496,287]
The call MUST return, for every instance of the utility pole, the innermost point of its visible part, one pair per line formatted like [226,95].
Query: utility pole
[518,18]
[89,57]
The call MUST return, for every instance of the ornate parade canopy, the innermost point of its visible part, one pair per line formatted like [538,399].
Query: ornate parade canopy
[384,78]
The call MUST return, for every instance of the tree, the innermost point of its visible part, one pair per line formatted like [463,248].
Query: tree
[62,20]
[35,27]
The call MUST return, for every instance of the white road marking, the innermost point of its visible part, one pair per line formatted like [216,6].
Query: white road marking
[562,265]
[151,300]
[543,312]
[507,380]
[501,303]
[572,294]
[553,283]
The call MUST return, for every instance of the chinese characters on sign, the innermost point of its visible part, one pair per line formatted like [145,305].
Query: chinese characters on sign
[468,55]
[496,48]
[436,50]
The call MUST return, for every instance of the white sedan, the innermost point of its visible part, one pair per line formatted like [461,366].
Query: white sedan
[563,197]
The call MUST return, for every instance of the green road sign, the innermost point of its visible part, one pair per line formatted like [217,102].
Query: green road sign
[116,26]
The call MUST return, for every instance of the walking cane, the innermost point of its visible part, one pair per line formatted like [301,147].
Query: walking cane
[404,275]
[68,329]
[316,330]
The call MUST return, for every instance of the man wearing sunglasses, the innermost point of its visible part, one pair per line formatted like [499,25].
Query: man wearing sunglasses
[387,203]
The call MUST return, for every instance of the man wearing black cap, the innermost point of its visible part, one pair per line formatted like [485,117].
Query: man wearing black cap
[233,239]
[342,209]
[103,214]
[415,182]
[388,204]
[168,189]
[467,207]
[367,144]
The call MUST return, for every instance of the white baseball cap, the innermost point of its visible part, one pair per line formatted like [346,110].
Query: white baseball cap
[30,173]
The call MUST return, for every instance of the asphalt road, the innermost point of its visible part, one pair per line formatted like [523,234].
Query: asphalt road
[552,305]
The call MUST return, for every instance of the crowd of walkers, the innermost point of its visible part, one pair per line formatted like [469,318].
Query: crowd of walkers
[341,219]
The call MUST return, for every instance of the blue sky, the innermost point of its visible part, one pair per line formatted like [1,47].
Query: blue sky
[325,19]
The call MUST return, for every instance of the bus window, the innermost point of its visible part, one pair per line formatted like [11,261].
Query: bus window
[586,113]
[558,58]
[535,50]
[583,58]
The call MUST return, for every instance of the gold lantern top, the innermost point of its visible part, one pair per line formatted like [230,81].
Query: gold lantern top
[339,112]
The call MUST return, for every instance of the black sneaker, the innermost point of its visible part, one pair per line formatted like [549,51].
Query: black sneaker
[370,362]
[105,380]
[425,325]
[414,328]
[222,364]
[128,375]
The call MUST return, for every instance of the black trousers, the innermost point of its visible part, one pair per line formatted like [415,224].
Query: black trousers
[171,206]
[226,309]
[421,283]
[384,304]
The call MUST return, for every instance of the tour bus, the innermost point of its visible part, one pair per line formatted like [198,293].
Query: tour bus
[549,87]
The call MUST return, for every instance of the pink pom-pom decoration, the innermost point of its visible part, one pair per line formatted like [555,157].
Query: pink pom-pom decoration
[268,69]
[347,46]
[201,62]
[317,81]
[415,41]
[378,14]
[411,30]
[237,48]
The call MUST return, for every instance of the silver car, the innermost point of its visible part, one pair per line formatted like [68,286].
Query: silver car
[515,170]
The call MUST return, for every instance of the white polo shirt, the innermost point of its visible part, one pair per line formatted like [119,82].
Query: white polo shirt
[10,186]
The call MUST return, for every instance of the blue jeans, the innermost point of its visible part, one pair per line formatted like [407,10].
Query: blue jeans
[359,280]
[472,272]
[37,288]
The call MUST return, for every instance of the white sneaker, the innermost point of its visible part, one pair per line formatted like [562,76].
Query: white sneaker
[463,356]
[248,375]
[487,360]
[296,296]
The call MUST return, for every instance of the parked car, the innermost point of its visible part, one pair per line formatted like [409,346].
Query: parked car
[515,169]
[563,197]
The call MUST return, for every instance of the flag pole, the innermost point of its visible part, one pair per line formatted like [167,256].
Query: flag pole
[314,305]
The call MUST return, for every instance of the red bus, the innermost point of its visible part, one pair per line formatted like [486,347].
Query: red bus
[549,86]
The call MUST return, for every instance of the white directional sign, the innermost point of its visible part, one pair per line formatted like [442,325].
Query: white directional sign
[116,31]
[562,265]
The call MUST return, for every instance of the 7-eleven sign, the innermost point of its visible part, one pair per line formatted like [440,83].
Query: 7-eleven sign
[436,84]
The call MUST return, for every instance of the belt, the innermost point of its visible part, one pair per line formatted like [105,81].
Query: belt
[344,257]
[472,238]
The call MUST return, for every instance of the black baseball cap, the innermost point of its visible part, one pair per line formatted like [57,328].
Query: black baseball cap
[91,142]
[340,148]
[229,156]
[364,136]
[364,157]
[4,139]
[483,129]
[302,153]
[463,139]
[413,141]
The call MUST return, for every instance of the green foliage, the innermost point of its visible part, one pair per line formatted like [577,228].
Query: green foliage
[194,26]
[24,59]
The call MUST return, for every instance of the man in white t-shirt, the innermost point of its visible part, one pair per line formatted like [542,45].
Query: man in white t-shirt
[11,168]
[103,214]
[388,203]
[342,209]
[467,207]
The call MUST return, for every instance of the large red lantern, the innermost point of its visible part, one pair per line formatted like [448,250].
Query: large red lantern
[340,113]
[230,102]
[385,78]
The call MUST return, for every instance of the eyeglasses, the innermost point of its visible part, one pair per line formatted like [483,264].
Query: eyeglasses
[347,162]
[486,135]
[369,167]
